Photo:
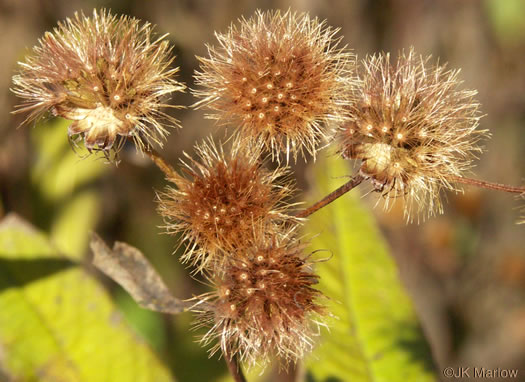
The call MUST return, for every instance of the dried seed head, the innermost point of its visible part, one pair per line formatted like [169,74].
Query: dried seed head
[281,78]
[217,204]
[109,75]
[265,304]
[412,128]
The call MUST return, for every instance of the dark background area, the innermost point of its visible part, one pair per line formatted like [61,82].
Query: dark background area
[464,269]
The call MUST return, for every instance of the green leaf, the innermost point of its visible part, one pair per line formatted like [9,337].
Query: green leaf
[57,323]
[74,221]
[63,201]
[507,20]
[375,334]
[59,169]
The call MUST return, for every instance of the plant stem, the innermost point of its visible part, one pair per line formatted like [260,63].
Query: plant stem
[352,183]
[488,185]
[161,163]
[357,179]
[234,368]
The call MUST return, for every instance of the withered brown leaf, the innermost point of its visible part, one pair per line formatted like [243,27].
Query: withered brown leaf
[128,267]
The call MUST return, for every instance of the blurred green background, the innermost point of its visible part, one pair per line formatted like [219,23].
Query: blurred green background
[465,270]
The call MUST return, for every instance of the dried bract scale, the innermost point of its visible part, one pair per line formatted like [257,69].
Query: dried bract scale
[264,305]
[412,128]
[217,203]
[280,78]
[108,74]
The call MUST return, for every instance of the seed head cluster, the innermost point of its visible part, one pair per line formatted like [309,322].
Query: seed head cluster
[264,304]
[232,214]
[285,84]
[280,78]
[222,197]
[107,74]
[412,128]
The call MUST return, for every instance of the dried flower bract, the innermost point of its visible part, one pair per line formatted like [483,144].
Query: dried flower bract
[280,78]
[108,74]
[265,305]
[412,128]
[216,206]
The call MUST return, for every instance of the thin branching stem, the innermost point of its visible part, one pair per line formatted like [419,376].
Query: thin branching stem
[161,163]
[488,185]
[352,183]
[357,179]
[234,367]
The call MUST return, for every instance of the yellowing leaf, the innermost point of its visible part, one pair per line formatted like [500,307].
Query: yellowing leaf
[57,324]
[376,335]
[70,229]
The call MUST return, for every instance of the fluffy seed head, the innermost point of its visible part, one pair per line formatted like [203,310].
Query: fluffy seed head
[264,305]
[412,128]
[216,205]
[280,78]
[107,74]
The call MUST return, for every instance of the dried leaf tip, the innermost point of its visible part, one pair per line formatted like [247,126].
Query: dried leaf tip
[280,78]
[109,75]
[222,196]
[413,128]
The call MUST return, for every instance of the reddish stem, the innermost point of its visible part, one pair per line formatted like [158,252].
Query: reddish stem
[234,368]
[488,185]
[352,183]
[161,163]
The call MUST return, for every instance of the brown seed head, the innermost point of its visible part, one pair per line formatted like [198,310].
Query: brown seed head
[265,303]
[411,128]
[217,204]
[108,74]
[281,78]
